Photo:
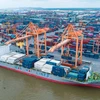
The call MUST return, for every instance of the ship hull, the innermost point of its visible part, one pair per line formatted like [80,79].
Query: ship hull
[49,77]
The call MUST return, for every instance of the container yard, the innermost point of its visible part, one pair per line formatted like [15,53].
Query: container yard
[56,24]
[54,46]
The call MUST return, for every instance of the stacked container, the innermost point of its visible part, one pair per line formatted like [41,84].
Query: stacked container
[96,56]
[82,74]
[28,62]
[15,58]
[49,42]
[72,74]
[53,62]
[66,57]
[39,64]
[47,68]
[11,60]
[5,57]
[48,56]
[58,71]
[4,49]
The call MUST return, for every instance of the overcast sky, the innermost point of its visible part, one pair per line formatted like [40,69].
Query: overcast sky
[50,3]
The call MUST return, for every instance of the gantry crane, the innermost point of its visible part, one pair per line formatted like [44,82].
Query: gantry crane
[7,25]
[96,45]
[68,35]
[33,31]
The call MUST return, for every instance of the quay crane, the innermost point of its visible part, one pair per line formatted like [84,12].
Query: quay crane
[96,45]
[68,35]
[32,31]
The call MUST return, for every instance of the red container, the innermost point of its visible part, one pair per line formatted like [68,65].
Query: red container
[52,36]
[86,41]
[72,46]
[49,42]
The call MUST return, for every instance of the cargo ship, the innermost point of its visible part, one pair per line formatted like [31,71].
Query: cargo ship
[58,74]
[70,70]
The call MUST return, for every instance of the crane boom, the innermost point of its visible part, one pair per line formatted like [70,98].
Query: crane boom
[17,39]
[52,49]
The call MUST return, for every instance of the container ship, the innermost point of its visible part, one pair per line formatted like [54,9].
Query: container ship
[70,69]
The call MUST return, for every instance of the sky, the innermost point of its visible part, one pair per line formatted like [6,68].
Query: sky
[50,3]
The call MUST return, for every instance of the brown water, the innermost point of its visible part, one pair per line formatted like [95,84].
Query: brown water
[15,86]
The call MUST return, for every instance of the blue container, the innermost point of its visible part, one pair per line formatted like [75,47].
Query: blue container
[72,52]
[72,75]
[42,47]
[91,42]
[81,75]
[89,47]
[28,62]
[86,68]
[91,55]
[34,57]
[83,71]
[48,48]
[59,71]
[51,63]
[31,45]
[50,56]
[96,56]
[13,36]
[66,57]
[84,45]
[74,71]
[71,62]
[30,52]
[86,54]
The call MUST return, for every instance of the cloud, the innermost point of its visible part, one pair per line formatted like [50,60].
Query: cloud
[50,3]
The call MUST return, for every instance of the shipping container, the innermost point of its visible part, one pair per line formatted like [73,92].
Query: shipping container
[28,62]
[72,75]
[11,60]
[53,62]
[96,56]
[4,49]
[58,71]
[39,65]
[47,68]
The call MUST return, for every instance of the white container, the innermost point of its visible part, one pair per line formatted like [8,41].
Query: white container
[47,68]
[11,60]
[18,55]
[4,49]
[38,65]
[4,58]
[44,60]
[11,53]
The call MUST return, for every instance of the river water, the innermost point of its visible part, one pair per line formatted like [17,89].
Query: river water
[16,86]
